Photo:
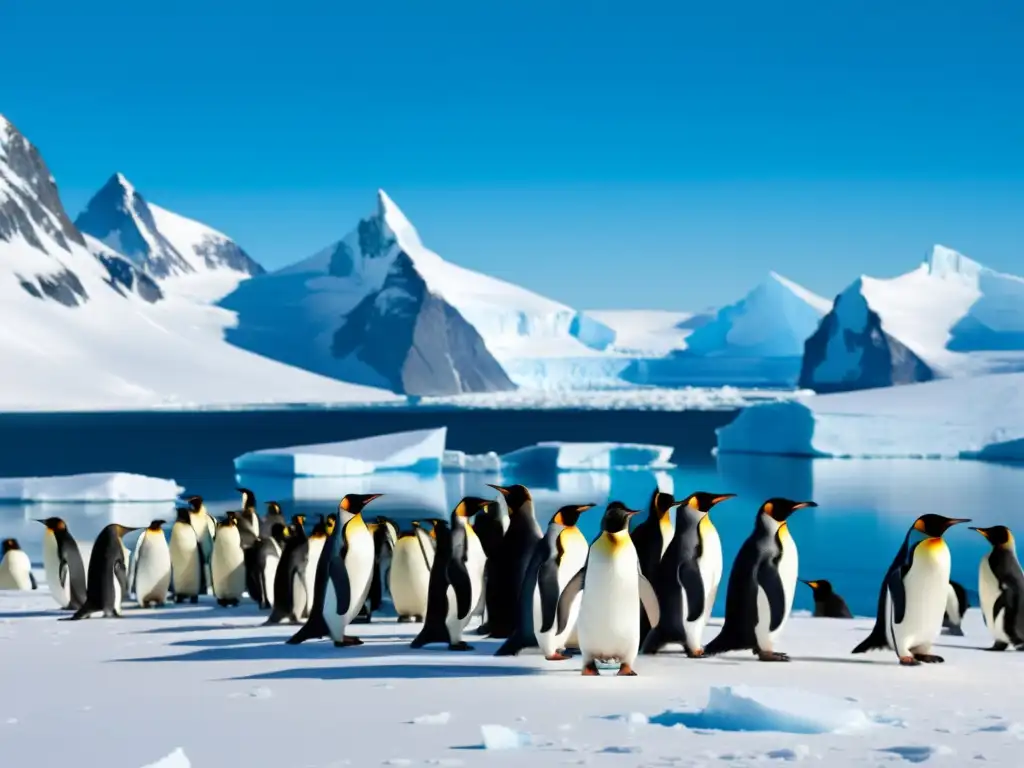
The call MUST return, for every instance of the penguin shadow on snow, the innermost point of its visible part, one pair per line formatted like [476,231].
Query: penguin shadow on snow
[424,671]
[242,649]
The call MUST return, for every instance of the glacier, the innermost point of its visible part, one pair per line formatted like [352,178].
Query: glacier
[92,487]
[979,417]
[948,318]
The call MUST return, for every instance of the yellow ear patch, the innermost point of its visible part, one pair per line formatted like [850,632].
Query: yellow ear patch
[768,508]
[692,503]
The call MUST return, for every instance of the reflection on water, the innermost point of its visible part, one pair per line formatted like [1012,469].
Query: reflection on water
[865,506]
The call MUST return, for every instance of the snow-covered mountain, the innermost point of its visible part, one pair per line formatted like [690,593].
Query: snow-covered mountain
[949,317]
[380,308]
[757,341]
[161,243]
[83,329]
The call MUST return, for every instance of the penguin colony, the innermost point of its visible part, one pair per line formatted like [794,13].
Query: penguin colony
[633,590]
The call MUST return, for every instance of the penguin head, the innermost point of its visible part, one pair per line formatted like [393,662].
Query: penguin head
[331,523]
[319,531]
[248,498]
[354,503]
[298,522]
[661,505]
[157,526]
[228,521]
[997,535]
[195,503]
[933,526]
[470,505]
[273,508]
[54,524]
[434,525]
[821,588]
[702,501]
[279,532]
[570,515]
[9,545]
[516,496]
[182,514]
[779,509]
[616,517]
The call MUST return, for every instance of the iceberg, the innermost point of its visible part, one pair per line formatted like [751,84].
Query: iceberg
[457,461]
[415,451]
[94,487]
[969,418]
[588,457]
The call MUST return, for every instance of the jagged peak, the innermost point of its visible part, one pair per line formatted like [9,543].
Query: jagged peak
[775,281]
[944,262]
[399,224]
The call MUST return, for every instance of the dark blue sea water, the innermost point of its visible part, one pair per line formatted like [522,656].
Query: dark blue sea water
[865,505]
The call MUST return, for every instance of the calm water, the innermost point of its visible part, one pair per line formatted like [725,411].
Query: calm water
[865,509]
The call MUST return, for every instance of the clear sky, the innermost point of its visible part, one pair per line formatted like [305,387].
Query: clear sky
[608,154]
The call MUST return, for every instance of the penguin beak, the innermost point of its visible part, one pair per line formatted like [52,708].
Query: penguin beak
[724,497]
[982,531]
[585,507]
[956,521]
[804,505]
[499,488]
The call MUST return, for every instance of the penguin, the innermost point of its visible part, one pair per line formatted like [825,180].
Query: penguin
[272,518]
[151,566]
[507,568]
[248,518]
[409,577]
[227,565]
[614,590]
[62,563]
[687,576]
[489,525]
[15,567]
[1001,589]
[762,585]
[827,603]
[188,565]
[557,558]
[314,548]
[651,538]
[456,578]
[912,598]
[206,528]
[343,575]
[261,562]
[298,526]
[290,601]
[956,606]
[107,583]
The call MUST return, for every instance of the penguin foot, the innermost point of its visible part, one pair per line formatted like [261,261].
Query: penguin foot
[556,656]
[696,654]
[194,599]
[348,640]
[772,656]
[590,670]
[484,629]
[460,646]
[406,619]
[179,599]
[928,658]
[909,661]
[998,646]
[626,671]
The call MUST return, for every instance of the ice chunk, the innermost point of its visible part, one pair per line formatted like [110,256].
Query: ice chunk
[97,486]
[439,718]
[588,457]
[744,708]
[981,417]
[416,451]
[457,461]
[176,759]
[500,737]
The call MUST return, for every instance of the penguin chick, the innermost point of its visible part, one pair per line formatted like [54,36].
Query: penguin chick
[827,604]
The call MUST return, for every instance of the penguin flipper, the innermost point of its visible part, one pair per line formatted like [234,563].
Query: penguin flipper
[342,589]
[769,580]
[426,547]
[897,594]
[547,583]
[649,600]
[62,573]
[121,574]
[691,582]
[572,588]
[32,580]
[458,575]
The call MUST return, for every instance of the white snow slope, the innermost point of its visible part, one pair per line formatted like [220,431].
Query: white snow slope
[957,316]
[113,351]
[214,675]
[979,417]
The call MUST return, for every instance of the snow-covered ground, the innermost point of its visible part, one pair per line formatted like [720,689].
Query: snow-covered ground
[225,690]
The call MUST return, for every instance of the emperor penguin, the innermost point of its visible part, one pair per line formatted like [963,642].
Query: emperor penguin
[409,577]
[290,601]
[227,565]
[912,598]
[827,602]
[489,525]
[687,576]
[762,584]
[956,606]
[1001,589]
[151,566]
[206,528]
[456,578]
[314,548]
[507,568]
[614,591]
[107,583]
[272,518]
[651,538]
[557,558]
[315,627]
[62,563]
[343,576]
[248,517]
[188,565]
[261,562]
[15,567]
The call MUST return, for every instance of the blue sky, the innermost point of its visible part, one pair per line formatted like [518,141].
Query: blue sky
[643,155]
